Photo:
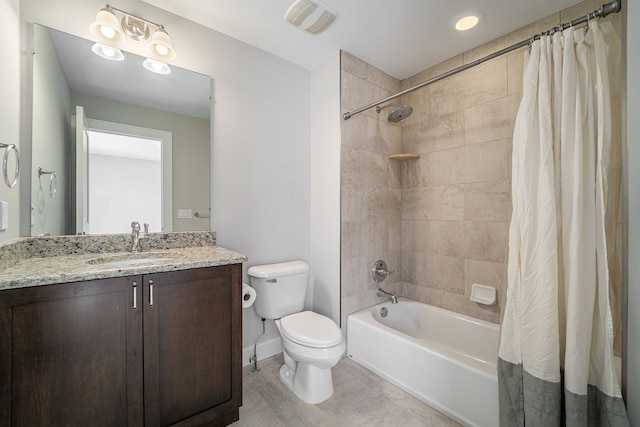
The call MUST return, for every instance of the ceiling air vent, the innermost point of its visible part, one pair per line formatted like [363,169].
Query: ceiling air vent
[310,16]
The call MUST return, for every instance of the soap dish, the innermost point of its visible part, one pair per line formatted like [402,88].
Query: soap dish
[483,294]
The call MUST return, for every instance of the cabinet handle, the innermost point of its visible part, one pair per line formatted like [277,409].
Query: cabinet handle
[150,292]
[135,295]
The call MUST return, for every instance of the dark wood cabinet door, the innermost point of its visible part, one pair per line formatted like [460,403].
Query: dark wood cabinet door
[71,354]
[192,346]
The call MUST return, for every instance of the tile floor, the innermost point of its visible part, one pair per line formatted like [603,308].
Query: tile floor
[361,398]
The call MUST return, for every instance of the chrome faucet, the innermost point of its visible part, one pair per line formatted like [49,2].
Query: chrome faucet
[382,293]
[137,235]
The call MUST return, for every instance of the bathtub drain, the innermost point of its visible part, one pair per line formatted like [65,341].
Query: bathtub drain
[384,312]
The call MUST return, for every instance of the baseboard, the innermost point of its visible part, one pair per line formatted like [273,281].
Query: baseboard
[265,349]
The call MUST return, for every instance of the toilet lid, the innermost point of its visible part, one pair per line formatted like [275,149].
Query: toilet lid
[311,329]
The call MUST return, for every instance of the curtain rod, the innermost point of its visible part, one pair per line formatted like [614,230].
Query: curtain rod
[604,10]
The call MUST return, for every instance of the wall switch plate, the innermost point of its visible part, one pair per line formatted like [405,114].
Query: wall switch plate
[185,213]
[4,216]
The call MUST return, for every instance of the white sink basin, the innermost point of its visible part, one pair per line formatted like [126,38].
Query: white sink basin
[129,260]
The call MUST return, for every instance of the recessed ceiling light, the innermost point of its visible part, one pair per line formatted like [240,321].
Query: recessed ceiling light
[467,21]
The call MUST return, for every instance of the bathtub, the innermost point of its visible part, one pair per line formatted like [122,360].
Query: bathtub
[445,359]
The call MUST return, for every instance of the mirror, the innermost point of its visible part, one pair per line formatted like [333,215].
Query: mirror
[72,176]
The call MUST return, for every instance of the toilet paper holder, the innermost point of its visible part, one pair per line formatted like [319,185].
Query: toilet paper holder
[248,296]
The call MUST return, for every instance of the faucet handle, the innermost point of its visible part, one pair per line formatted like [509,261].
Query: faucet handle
[379,272]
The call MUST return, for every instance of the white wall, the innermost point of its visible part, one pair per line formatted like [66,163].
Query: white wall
[10,103]
[260,133]
[632,344]
[325,188]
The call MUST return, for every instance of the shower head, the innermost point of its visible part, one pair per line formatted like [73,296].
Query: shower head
[398,114]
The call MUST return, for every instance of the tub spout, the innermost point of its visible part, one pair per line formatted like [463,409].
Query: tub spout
[382,293]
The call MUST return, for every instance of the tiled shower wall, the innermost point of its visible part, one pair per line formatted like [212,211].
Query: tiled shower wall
[371,209]
[440,221]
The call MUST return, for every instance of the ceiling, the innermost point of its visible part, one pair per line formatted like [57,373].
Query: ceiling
[401,37]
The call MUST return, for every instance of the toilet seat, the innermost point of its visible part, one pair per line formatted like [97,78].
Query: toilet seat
[311,329]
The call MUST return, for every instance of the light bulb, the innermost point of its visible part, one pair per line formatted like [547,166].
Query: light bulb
[161,49]
[108,32]
[467,23]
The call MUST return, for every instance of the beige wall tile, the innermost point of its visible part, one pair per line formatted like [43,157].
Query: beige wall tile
[485,162]
[357,92]
[353,65]
[447,238]
[382,79]
[395,240]
[419,101]
[515,64]
[485,273]
[492,120]
[439,132]
[434,71]
[415,237]
[353,206]
[395,173]
[383,137]
[354,132]
[416,136]
[487,201]
[414,172]
[485,241]
[384,203]
[446,167]
[485,82]
[433,202]
[354,160]
[443,273]
[446,96]
[354,276]
[364,180]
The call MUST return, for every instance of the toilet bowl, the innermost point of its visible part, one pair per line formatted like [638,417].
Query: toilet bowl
[312,344]
[309,357]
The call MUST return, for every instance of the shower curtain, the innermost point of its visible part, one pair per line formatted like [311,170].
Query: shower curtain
[556,359]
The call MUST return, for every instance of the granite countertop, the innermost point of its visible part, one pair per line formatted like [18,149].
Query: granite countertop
[38,270]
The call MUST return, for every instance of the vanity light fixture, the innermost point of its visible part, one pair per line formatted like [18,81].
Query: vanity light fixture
[109,29]
[467,20]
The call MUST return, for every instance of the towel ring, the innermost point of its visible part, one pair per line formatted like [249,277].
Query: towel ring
[53,181]
[5,160]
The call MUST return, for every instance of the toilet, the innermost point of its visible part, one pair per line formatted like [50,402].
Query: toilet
[312,344]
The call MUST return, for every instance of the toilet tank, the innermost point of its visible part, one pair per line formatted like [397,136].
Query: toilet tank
[280,288]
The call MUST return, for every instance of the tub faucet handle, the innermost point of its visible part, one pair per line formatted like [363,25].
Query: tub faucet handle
[379,272]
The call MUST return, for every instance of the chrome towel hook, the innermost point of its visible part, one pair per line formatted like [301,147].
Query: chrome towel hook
[53,182]
[5,160]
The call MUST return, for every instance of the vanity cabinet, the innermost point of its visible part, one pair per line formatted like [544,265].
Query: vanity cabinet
[154,350]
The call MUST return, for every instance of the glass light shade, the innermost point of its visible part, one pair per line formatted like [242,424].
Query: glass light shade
[156,66]
[106,28]
[107,52]
[160,47]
